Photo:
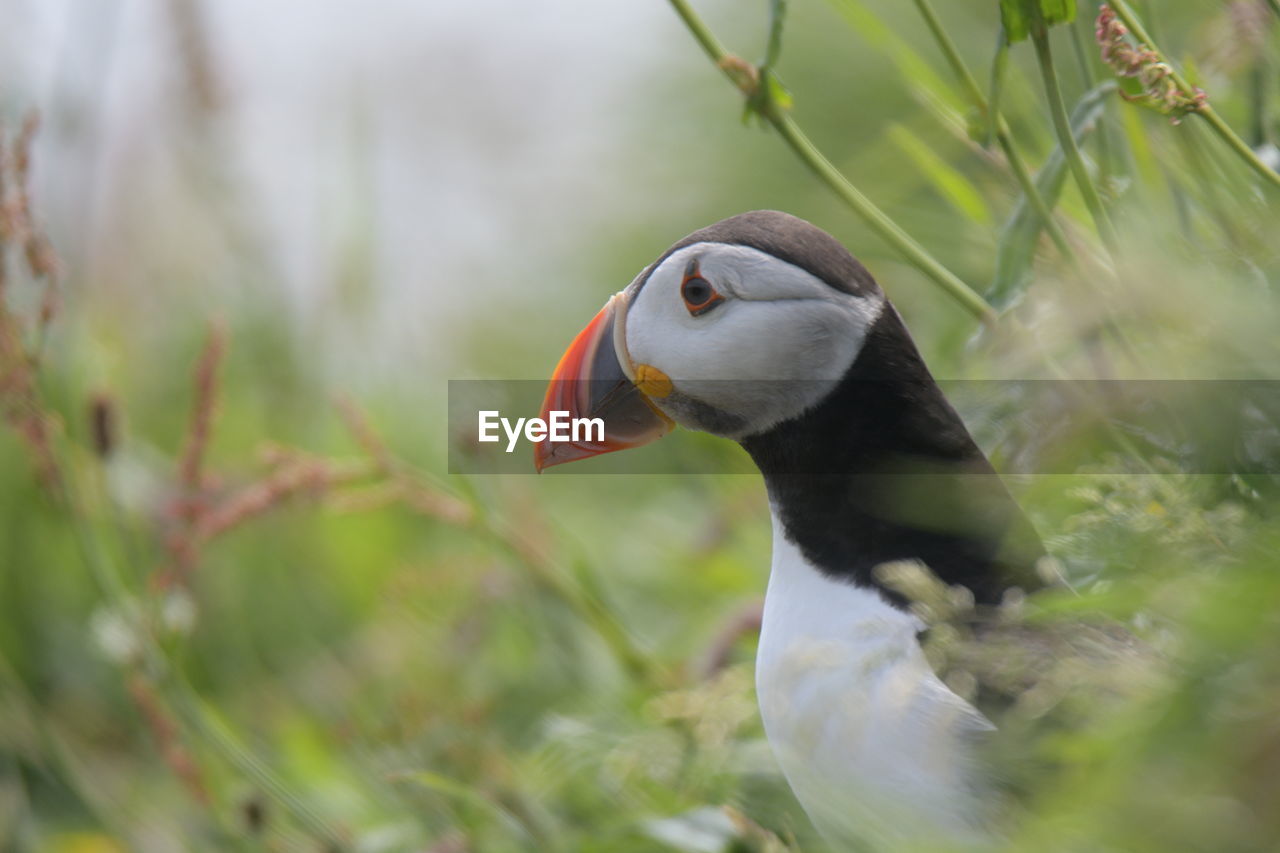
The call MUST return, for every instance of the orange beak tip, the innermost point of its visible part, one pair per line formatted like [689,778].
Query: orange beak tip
[590,383]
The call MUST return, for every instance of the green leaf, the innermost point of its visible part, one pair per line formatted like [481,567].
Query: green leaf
[1020,234]
[1019,17]
[779,96]
[771,99]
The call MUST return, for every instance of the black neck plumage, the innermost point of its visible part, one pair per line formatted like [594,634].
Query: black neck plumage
[884,469]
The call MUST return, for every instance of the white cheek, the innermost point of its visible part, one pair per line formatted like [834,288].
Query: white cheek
[781,358]
[762,361]
[774,348]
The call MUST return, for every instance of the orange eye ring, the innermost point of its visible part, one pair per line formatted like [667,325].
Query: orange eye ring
[698,294]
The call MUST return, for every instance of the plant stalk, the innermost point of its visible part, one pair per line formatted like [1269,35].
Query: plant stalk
[994,120]
[878,220]
[1062,126]
[889,231]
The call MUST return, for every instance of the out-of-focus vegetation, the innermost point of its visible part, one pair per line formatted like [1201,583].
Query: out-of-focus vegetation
[236,615]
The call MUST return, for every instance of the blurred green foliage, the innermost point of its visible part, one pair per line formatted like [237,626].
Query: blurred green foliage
[377,656]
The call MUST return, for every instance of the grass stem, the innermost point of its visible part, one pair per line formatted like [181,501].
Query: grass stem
[952,54]
[1062,126]
[879,222]
[999,66]
[799,142]
[1016,164]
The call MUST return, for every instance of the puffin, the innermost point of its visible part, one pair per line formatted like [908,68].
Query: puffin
[765,330]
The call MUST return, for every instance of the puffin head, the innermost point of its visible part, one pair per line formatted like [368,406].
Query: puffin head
[734,329]
[762,328]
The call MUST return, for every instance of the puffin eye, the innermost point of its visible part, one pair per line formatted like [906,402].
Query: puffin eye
[698,294]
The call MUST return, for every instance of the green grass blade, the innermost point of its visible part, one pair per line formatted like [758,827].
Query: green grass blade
[930,87]
[203,718]
[950,183]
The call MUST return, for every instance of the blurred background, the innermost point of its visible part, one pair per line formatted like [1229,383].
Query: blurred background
[244,606]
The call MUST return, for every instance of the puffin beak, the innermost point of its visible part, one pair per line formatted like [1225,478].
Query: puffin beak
[594,379]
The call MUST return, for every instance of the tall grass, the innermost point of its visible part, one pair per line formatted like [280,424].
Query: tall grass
[235,615]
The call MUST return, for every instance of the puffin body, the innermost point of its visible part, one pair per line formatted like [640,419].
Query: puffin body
[875,746]
[764,329]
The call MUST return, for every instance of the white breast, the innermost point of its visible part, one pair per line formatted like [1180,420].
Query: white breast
[875,746]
